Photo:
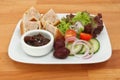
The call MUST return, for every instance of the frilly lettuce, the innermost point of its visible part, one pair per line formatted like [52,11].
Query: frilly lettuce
[63,26]
[66,22]
[83,17]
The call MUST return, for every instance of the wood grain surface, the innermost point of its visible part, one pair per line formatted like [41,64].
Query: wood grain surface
[12,10]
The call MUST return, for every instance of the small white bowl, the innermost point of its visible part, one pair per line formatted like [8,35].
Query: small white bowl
[39,50]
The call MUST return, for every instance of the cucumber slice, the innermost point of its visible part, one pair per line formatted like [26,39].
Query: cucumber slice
[69,46]
[77,48]
[96,44]
[82,51]
[71,54]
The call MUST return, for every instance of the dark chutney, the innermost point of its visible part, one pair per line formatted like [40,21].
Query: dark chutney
[36,40]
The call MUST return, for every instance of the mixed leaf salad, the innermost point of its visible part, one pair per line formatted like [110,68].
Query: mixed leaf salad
[80,32]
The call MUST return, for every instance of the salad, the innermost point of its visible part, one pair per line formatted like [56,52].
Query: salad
[80,32]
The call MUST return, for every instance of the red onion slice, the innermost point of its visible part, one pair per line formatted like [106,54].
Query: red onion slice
[88,47]
[80,43]
[70,39]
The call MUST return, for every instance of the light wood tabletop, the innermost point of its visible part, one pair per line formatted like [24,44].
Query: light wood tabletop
[11,12]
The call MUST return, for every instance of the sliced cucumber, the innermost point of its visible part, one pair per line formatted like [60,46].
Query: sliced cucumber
[71,54]
[96,44]
[69,46]
[82,51]
[77,48]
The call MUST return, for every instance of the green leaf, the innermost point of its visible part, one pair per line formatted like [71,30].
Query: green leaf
[83,17]
[63,26]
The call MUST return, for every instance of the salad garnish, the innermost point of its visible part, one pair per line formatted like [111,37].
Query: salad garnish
[80,32]
[84,17]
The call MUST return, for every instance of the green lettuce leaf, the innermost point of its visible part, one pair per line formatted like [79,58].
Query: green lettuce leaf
[83,17]
[63,26]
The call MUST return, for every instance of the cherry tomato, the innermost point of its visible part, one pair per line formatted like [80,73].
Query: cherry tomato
[85,36]
[70,33]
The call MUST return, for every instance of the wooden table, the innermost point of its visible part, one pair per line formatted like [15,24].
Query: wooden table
[12,10]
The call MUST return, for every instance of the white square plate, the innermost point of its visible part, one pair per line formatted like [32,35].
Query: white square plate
[16,53]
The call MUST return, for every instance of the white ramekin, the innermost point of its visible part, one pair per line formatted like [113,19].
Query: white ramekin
[39,50]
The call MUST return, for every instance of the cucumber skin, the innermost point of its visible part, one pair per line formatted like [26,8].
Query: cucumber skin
[82,51]
[94,40]
[71,54]
[77,48]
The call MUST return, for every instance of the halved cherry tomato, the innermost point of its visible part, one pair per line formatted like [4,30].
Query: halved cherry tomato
[85,36]
[71,35]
